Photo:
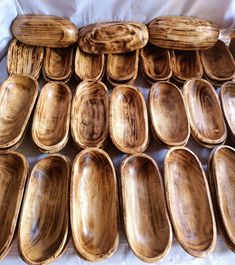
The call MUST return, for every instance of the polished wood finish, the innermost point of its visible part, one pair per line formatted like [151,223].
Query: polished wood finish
[94,205]
[113,37]
[232,46]
[189,202]
[89,118]
[167,113]
[24,59]
[50,128]
[147,224]
[43,227]
[128,122]
[204,112]
[182,33]
[45,31]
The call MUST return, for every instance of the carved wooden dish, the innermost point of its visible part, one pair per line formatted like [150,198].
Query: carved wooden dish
[58,64]
[147,224]
[122,68]
[189,202]
[182,33]
[43,227]
[204,112]
[88,66]
[24,59]
[13,175]
[89,118]
[94,205]
[50,128]
[113,37]
[155,63]
[167,113]
[17,97]
[128,123]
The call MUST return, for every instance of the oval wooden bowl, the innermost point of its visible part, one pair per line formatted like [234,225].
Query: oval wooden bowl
[204,112]
[147,224]
[167,113]
[17,97]
[128,121]
[182,33]
[113,37]
[155,63]
[90,111]
[122,68]
[24,59]
[58,64]
[94,205]
[13,175]
[43,30]
[189,202]
[89,67]
[43,227]
[50,127]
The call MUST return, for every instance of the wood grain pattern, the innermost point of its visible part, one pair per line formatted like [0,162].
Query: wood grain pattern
[94,205]
[50,127]
[128,121]
[204,112]
[113,37]
[89,118]
[189,202]
[43,227]
[167,113]
[17,97]
[24,59]
[43,30]
[182,33]
[147,224]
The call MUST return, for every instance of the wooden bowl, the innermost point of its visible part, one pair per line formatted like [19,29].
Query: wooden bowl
[169,121]
[89,118]
[17,97]
[204,112]
[58,64]
[122,68]
[24,59]
[113,37]
[50,128]
[43,226]
[147,224]
[155,63]
[186,65]
[43,30]
[13,175]
[189,202]
[88,66]
[182,33]
[128,121]
[94,205]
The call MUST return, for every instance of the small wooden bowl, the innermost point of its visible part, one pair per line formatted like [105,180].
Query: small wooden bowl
[128,121]
[45,31]
[89,118]
[147,224]
[43,226]
[58,64]
[167,113]
[94,205]
[13,175]
[204,112]
[50,128]
[88,66]
[189,202]
[17,97]
[24,59]
[122,68]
